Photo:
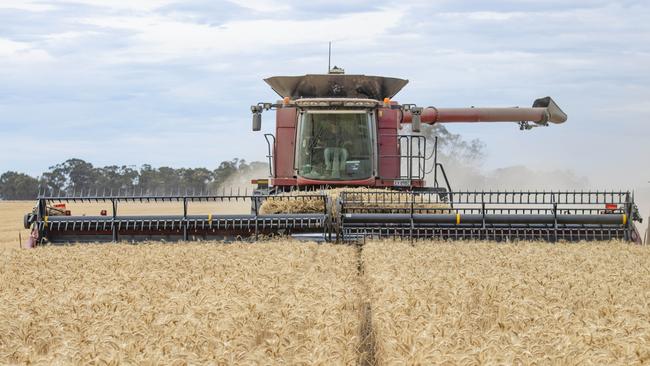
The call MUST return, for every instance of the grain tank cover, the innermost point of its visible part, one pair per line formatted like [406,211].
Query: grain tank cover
[336,86]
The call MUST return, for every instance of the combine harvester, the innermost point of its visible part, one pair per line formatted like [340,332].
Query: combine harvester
[336,130]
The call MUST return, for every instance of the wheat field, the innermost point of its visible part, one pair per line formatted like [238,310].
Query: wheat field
[11,222]
[290,302]
[534,303]
[284,303]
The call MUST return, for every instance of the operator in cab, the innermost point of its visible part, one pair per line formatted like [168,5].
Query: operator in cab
[335,152]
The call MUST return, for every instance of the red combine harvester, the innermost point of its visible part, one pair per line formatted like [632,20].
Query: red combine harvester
[338,130]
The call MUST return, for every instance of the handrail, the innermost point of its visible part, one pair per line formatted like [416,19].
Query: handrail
[444,175]
[269,156]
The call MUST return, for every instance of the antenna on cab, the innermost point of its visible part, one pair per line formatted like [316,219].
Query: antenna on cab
[329,57]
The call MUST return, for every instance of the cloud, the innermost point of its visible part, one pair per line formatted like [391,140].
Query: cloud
[26,5]
[262,5]
[12,51]
[157,38]
[139,5]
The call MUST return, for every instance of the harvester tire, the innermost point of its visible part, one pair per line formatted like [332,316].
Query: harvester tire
[27,220]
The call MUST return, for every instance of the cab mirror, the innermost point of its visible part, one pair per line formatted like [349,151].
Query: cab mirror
[257,121]
[257,118]
[416,118]
[416,122]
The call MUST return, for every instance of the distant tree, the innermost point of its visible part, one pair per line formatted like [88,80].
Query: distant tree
[76,175]
[196,180]
[18,186]
[73,175]
[148,180]
[53,180]
[169,179]
[81,175]
[116,178]
[453,147]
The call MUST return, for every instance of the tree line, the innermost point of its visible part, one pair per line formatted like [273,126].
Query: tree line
[77,175]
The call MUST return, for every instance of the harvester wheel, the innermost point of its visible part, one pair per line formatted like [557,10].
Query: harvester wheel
[27,220]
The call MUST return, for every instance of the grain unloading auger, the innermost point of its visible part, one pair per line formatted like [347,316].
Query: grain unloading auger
[338,130]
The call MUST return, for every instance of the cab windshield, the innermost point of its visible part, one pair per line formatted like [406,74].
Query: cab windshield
[334,146]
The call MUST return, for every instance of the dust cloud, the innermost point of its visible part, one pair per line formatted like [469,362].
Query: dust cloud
[517,178]
[241,180]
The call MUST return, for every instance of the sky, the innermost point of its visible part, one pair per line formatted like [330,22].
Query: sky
[169,82]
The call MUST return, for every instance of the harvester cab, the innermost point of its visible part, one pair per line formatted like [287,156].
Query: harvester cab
[345,132]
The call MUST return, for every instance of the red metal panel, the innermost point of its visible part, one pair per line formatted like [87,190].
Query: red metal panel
[286,117]
[388,148]
[387,118]
[285,134]
[284,182]
[314,182]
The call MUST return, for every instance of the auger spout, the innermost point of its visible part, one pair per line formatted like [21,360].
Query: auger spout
[543,111]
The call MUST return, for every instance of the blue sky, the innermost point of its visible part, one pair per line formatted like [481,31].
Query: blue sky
[170,82]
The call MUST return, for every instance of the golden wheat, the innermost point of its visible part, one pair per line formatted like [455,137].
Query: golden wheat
[279,303]
[11,222]
[388,200]
[530,303]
